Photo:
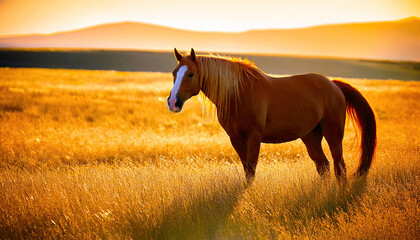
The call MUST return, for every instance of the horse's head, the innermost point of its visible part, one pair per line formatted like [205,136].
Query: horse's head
[186,81]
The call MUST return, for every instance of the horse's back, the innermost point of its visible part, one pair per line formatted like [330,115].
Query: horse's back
[312,87]
[298,103]
[326,96]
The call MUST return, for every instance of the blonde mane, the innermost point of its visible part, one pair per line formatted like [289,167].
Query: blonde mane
[221,79]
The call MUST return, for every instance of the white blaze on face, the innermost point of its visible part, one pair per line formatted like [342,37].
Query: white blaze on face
[177,84]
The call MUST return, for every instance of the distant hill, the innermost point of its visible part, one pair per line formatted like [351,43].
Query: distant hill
[147,61]
[393,40]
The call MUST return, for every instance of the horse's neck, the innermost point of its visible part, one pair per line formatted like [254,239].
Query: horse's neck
[209,96]
[224,109]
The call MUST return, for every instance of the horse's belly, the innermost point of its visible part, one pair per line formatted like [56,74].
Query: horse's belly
[279,137]
[285,126]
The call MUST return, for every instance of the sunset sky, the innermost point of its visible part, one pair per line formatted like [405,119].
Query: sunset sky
[47,16]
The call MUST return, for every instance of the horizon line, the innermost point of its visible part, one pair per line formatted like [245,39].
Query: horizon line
[203,31]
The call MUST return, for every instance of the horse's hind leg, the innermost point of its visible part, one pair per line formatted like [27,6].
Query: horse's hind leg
[334,134]
[312,142]
[337,154]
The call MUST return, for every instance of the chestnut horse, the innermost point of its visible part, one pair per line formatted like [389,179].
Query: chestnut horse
[255,108]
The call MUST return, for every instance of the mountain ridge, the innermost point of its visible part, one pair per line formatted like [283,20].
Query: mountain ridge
[386,40]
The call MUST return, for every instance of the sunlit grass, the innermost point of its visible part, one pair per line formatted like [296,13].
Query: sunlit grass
[96,154]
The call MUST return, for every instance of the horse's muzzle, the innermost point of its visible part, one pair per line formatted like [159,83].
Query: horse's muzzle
[175,104]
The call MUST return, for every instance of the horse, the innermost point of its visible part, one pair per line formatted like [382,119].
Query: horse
[254,108]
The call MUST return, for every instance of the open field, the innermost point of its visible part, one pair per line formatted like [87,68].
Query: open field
[96,154]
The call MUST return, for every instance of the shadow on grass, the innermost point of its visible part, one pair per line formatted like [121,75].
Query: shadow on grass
[278,212]
[315,203]
[199,214]
[204,210]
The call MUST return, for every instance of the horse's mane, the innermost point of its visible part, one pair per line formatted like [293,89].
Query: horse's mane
[221,79]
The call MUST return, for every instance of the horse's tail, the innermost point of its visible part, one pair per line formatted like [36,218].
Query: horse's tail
[360,112]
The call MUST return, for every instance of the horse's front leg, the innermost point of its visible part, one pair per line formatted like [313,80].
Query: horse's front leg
[248,150]
[253,144]
[240,146]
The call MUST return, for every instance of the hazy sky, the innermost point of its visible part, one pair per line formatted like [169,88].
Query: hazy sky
[46,16]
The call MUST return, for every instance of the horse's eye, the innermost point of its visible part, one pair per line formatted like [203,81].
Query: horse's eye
[191,75]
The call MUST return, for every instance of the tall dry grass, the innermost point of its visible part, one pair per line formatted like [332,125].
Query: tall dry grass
[96,154]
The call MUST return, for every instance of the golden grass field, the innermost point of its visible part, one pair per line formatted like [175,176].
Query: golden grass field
[96,154]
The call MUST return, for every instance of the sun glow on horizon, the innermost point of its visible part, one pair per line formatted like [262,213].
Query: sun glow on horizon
[48,16]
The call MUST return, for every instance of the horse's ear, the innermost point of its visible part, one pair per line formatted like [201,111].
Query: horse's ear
[193,57]
[178,56]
